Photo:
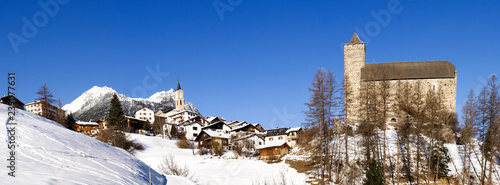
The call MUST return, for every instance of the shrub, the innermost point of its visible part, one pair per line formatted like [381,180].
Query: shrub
[184,144]
[216,148]
[118,139]
[168,166]
[203,151]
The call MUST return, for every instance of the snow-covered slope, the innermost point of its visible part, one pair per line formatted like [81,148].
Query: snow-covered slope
[94,103]
[47,153]
[214,170]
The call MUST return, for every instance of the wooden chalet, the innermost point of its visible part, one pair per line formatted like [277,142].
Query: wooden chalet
[272,152]
[13,101]
[134,123]
[206,137]
[90,128]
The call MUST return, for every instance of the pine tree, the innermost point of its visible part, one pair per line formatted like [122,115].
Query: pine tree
[374,173]
[115,113]
[440,160]
[70,122]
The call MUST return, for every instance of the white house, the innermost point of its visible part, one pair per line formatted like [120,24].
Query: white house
[177,116]
[219,127]
[250,142]
[276,136]
[280,135]
[145,114]
[190,130]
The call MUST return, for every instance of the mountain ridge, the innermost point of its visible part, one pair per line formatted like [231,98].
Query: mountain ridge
[94,103]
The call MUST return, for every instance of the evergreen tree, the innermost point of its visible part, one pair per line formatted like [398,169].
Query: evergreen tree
[440,159]
[374,173]
[115,113]
[70,122]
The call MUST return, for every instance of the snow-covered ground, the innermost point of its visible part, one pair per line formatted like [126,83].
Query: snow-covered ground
[215,171]
[47,153]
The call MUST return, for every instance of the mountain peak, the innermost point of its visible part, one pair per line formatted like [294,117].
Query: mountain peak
[94,103]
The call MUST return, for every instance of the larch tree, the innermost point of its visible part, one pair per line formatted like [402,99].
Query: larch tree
[320,114]
[469,130]
[44,94]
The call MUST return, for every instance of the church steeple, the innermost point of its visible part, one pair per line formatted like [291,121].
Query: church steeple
[355,39]
[178,84]
[179,97]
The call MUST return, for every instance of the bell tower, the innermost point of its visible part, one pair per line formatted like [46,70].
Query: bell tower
[179,97]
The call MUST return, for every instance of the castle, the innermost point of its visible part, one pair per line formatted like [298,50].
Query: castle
[433,75]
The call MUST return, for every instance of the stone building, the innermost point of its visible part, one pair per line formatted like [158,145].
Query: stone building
[433,75]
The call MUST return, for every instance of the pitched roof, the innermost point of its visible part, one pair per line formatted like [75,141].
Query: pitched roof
[293,129]
[178,85]
[408,70]
[355,39]
[271,146]
[212,133]
[87,123]
[277,131]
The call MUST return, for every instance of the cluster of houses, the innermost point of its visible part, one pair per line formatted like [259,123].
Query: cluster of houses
[252,138]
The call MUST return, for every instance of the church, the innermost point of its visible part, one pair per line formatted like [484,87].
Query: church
[433,75]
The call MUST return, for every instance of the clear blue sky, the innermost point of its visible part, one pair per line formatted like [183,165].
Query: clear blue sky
[255,64]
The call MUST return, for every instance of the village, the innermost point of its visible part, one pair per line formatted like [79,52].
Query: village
[212,132]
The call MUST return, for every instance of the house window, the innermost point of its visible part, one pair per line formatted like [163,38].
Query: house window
[270,139]
[195,128]
[195,134]
[280,138]
[260,143]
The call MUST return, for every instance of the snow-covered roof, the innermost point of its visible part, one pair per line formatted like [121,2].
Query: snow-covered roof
[249,136]
[129,117]
[270,146]
[293,129]
[212,133]
[87,123]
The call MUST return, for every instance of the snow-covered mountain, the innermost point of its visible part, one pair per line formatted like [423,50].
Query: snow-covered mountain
[94,103]
[48,153]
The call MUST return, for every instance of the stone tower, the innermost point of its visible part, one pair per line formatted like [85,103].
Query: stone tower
[179,97]
[354,60]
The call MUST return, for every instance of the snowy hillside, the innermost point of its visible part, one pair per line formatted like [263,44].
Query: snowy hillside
[94,103]
[47,153]
[215,171]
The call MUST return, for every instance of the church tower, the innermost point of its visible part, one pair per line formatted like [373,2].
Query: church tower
[354,60]
[179,97]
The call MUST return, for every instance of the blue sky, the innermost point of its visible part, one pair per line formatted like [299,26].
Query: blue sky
[252,61]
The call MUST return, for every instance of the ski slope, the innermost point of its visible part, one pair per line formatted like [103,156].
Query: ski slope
[47,153]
